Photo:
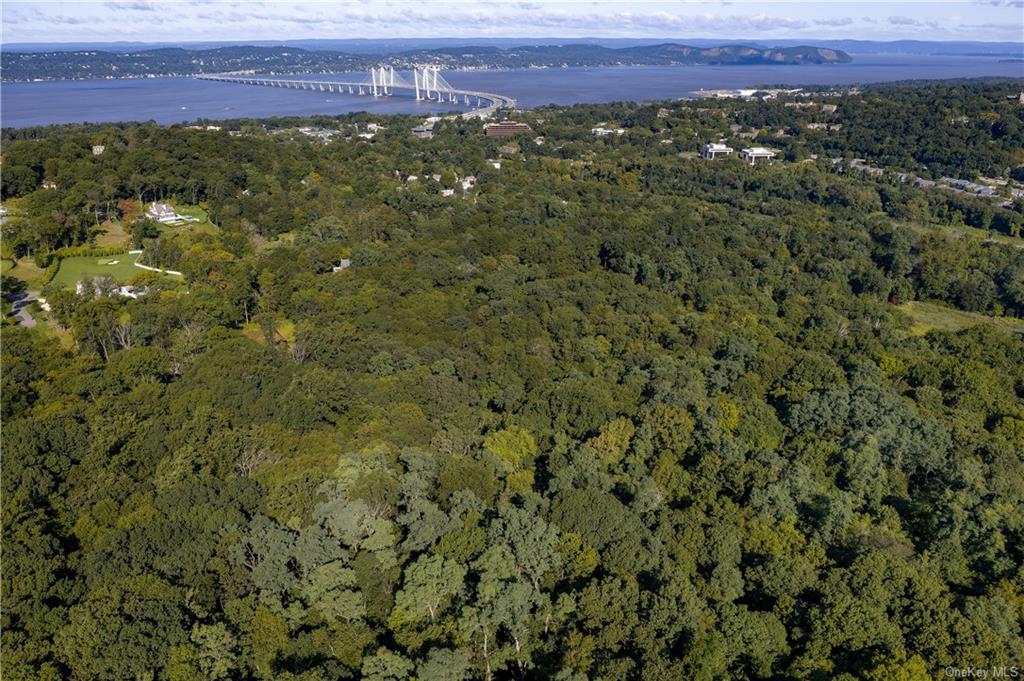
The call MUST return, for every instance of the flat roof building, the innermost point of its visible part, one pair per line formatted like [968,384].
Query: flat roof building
[505,129]
[423,131]
[753,154]
[712,149]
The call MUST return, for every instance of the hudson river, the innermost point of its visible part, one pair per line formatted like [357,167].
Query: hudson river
[173,100]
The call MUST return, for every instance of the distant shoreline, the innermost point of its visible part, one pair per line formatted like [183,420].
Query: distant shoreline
[20,67]
[464,69]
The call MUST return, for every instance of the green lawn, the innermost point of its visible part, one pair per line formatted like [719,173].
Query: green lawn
[929,316]
[204,226]
[121,267]
[6,265]
[24,269]
[112,234]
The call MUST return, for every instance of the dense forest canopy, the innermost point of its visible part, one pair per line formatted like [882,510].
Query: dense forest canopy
[611,412]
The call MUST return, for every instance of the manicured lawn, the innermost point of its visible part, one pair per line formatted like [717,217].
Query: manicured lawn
[203,226]
[6,265]
[120,267]
[928,316]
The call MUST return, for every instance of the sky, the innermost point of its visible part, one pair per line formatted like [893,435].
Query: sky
[238,20]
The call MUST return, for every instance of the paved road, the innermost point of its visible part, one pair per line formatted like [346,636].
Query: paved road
[21,301]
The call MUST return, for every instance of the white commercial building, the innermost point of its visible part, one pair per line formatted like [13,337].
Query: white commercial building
[753,154]
[712,149]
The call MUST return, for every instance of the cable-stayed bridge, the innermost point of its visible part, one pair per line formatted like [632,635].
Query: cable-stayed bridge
[427,85]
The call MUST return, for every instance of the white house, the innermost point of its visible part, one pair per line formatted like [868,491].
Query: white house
[712,149]
[162,213]
[604,132]
[753,154]
[98,149]
[165,215]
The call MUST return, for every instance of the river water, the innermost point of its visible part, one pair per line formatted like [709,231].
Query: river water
[173,100]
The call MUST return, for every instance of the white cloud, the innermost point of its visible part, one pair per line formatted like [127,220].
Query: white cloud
[912,22]
[238,20]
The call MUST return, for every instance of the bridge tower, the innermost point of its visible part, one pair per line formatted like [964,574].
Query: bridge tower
[390,79]
[425,79]
[382,80]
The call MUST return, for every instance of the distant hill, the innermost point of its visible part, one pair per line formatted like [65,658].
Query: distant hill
[167,61]
[738,54]
[390,46]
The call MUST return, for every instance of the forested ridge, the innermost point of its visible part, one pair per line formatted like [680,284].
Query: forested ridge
[92,64]
[611,413]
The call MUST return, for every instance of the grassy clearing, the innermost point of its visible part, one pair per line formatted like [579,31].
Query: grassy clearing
[965,232]
[284,332]
[24,269]
[203,226]
[67,340]
[929,316]
[6,265]
[112,234]
[121,267]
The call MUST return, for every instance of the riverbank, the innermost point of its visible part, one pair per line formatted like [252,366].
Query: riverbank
[185,100]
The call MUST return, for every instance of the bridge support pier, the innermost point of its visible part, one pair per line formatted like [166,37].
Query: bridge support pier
[427,85]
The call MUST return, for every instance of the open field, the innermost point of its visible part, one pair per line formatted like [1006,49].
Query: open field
[928,316]
[121,267]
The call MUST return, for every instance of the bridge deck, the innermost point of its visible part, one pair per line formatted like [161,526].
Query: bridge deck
[494,101]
